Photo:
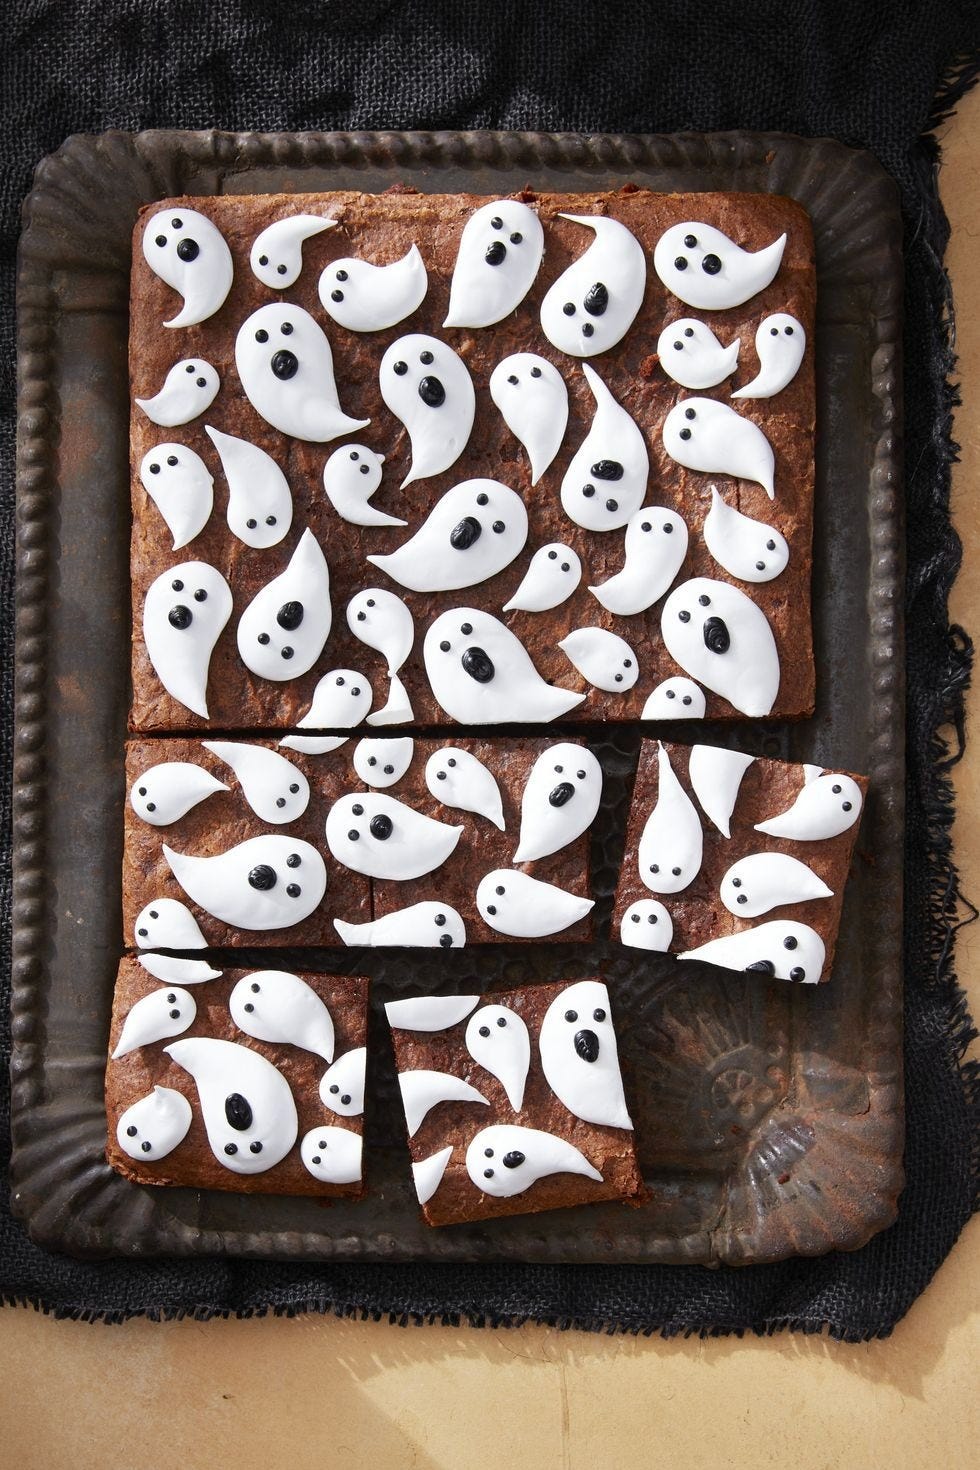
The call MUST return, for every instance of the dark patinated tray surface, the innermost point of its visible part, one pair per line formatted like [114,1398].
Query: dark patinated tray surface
[769,1116]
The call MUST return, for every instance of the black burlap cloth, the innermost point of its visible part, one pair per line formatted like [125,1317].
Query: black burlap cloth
[881,75]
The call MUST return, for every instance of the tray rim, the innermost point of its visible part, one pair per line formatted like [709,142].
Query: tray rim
[158,151]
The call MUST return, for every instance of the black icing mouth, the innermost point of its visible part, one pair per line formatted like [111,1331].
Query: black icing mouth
[478,664]
[587,1046]
[597,299]
[284,364]
[290,615]
[562,794]
[717,638]
[262,877]
[761,967]
[462,537]
[432,392]
[238,1111]
[188,249]
[496,253]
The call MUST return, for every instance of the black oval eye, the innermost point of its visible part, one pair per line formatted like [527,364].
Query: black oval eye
[680,264]
[496,223]
[160,240]
[400,369]
[341,275]
[684,434]
[261,335]
[425,357]
[286,329]
[689,413]
[516,237]
[691,241]
[569,308]
[484,1030]
[238,1111]
[571,1016]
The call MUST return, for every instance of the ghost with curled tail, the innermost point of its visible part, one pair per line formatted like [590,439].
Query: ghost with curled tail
[506,1159]
[513,903]
[350,477]
[560,800]
[579,1056]
[379,836]
[691,354]
[429,389]
[500,251]
[185,611]
[273,787]
[260,505]
[671,845]
[188,252]
[267,882]
[780,343]
[472,533]
[781,949]
[481,674]
[707,270]
[248,1108]
[285,365]
[593,304]
[655,546]
[279,1007]
[723,639]
[276,256]
[189,389]
[425,925]
[282,632]
[364,297]
[703,434]
[382,621]
[181,487]
[828,805]
[497,1040]
[531,395]
[606,480]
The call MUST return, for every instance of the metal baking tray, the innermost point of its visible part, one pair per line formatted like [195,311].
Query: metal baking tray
[769,1116]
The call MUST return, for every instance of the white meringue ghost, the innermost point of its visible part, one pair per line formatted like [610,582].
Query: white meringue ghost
[691,354]
[350,477]
[429,1012]
[671,846]
[516,904]
[152,1127]
[340,701]
[162,1013]
[481,674]
[458,779]
[422,1090]
[282,632]
[382,621]
[425,925]
[170,970]
[646,924]
[553,574]
[676,698]
[189,389]
[285,366]
[724,640]
[429,389]
[383,762]
[248,1108]
[500,252]
[427,1173]
[260,506]
[605,659]
[780,343]
[747,549]
[166,923]
[333,1155]
[716,775]
[166,792]
[276,256]
[364,297]
[381,837]
[267,882]
[313,744]
[498,1041]
[703,434]
[579,1056]
[707,270]
[473,532]
[181,487]
[506,1159]
[655,547]
[188,252]
[781,949]
[827,805]
[276,1006]
[342,1085]
[606,480]
[560,801]
[185,611]
[593,304]
[273,787]
[766,880]
[531,395]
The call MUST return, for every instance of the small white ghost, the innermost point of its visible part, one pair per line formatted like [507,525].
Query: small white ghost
[500,251]
[708,271]
[267,882]
[273,787]
[553,574]
[780,343]
[181,487]
[350,477]
[364,297]
[429,389]
[593,304]
[152,1127]
[703,434]
[481,673]
[381,837]
[780,950]
[164,793]
[767,880]
[723,639]
[747,549]
[276,1006]
[282,632]
[497,1040]
[513,903]
[382,621]
[691,354]
[276,256]
[166,923]
[285,366]
[473,532]
[340,701]
[579,1056]
[457,778]
[185,611]
[655,547]
[506,1159]
[332,1155]
[560,800]
[188,252]
[383,762]
[342,1085]
[425,925]
[189,389]
[248,1108]
[828,804]
[160,1014]
[606,480]
[602,657]
[676,698]
[671,845]
[646,924]
[531,395]
[260,506]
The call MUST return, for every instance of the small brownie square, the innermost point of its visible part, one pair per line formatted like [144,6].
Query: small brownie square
[737,861]
[514,1102]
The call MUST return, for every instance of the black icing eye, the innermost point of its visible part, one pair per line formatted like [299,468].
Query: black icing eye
[202,382]
[251,523]
[836,790]
[684,434]
[501,1021]
[160,240]
[684,616]
[797,973]
[294,890]
[588,491]
[691,241]
[499,526]
[678,346]
[774,331]
[587,329]
[513,378]
[689,413]
[569,308]
[789,331]
[516,237]
[188,250]
[261,335]
[535,372]
[263,260]
[571,1016]
[482,499]
[131,1130]
[286,329]
[286,652]
[495,253]
[500,890]
[445,645]
[200,595]
[704,600]
[496,223]
[466,629]
[439,920]
[154,469]
[484,1030]
[341,275]
[357,809]
[178,224]
[426,358]
[789,942]
[180,617]
[171,459]
[846,806]
[598,1014]
[284,364]
[263,638]
[770,546]
[451,761]
[688,331]
[177,585]
[336,295]
[400,369]
[711,265]
[680,263]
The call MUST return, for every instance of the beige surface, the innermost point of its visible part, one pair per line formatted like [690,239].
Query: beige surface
[323,1393]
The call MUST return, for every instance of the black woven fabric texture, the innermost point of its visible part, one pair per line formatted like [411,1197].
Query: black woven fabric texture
[879,75]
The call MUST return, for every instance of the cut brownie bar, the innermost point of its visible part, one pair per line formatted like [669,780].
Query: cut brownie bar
[737,861]
[380,841]
[246,1080]
[625,381]
[514,1103]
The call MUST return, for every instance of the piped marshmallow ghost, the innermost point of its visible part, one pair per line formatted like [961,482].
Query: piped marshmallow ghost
[703,434]
[313,744]
[340,701]
[342,1085]
[267,882]
[552,576]
[185,610]
[646,924]
[767,880]
[780,343]
[579,1056]
[593,303]
[671,845]
[506,1159]
[189,253]
[691,354]
[458,779]
[676,698]
[248,1108]
[154,1125]
[716,776]
[427,1173]
[605,659]
[276,256]
[350,477]
[516,904]
[166,923]
[368,298]
[382,621]
[828,805]
[560,800]
[531,395]
[429,1012]
[708,271]
[747,549]
[607,478]
[162,1013]
[655,547]
[282,632]
[498,1041]
[273,787]
[260,506]
[425,925]
[423,1090]
[500,251]
[781,949]
[382,763]
[481,674]
[170,970]
[276,1006]
[429,389]
[189,389]
[473,532]
[166,792]
[285,365]
[381,837]
[331,1154]
[181,487]
[724,641]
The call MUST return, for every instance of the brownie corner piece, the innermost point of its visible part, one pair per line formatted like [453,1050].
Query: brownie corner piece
[737,861]
[513,1102]
[243,1080]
